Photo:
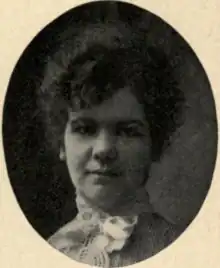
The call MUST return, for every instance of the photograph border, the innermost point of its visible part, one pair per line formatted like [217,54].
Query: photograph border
[198,23]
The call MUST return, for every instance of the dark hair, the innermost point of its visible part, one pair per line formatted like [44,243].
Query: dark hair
[95,75]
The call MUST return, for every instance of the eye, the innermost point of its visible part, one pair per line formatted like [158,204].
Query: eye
[84,129]
[129,131]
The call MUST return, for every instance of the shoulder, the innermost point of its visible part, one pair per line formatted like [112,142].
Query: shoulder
[153,234]
[71,234]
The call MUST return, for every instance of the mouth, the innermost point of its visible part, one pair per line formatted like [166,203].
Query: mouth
[103,175]
[103,172]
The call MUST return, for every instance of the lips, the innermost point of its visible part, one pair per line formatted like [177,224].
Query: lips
[104,172]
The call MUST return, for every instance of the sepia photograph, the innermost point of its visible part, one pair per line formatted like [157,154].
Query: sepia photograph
[109,134]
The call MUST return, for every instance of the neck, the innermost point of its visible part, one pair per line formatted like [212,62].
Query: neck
[130,206]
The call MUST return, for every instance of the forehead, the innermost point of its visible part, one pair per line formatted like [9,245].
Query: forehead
[122,105]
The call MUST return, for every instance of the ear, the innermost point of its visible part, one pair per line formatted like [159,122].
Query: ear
[62,153]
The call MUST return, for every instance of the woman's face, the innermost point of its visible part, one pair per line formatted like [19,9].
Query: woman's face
[107,149]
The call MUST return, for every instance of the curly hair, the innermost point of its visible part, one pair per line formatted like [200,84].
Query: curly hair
[84,80]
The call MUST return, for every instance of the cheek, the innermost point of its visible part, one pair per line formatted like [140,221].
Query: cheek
[77,153]
[135,155]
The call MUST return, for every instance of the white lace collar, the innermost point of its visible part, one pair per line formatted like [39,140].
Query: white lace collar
[105,233]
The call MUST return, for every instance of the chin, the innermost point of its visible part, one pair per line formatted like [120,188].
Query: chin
[100,198]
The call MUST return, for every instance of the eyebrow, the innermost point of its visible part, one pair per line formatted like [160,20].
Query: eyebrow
[83,120]
[131,122]
[122,122]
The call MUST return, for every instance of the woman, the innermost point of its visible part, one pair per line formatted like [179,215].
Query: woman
[111,109]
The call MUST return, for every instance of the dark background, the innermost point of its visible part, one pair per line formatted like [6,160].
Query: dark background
[39,180]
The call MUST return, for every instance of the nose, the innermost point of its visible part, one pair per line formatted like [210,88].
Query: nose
[104,150]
